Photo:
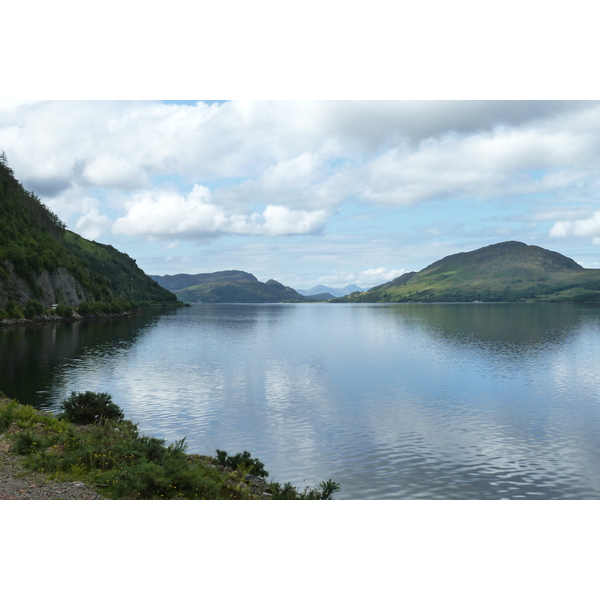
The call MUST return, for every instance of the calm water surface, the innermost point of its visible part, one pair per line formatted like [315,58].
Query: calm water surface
[442,401]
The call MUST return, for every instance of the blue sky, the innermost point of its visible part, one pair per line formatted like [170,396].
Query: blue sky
[308,192]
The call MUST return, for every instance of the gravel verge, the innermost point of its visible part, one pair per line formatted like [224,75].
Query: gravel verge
[18,484]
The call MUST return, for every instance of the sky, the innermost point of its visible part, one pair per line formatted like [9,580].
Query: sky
[312,192]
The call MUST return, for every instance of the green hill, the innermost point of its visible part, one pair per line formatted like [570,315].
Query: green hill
[183,280]
[41,261]
[505,272]
[227,286]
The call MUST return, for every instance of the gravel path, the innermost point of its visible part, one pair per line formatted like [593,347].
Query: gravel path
[18,484]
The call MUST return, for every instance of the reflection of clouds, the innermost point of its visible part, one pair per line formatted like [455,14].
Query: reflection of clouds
[287,383]
[462,453]
[297,399]
[385,399]
[577,365]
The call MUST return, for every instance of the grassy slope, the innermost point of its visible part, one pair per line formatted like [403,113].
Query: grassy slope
[124,278]
[510,271]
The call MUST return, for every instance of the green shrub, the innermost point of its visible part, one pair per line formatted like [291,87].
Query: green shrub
[26,442]
[83,309]
[14,310]
[87,408]
[323,491]
[3,314]
[242,461]
[7,411]
[114,456]
[33,309]
[287,492]
[161,481]
[96,308]
[62,310]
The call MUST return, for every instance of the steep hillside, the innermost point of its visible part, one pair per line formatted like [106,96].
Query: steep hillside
[509,271]
[228,286]
[40,260]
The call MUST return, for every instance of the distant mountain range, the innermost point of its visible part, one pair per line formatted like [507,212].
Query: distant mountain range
[335,292]
[505,272]
[228,286]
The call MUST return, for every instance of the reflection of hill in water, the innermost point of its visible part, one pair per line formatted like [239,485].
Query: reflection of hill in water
[496,328]
[32,356]
[234,316]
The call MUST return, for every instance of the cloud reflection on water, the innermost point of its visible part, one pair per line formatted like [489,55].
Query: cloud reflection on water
[393,401]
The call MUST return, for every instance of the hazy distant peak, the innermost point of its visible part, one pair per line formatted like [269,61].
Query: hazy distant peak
[335,292]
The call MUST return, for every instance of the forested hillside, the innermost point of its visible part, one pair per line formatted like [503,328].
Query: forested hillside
[42,262]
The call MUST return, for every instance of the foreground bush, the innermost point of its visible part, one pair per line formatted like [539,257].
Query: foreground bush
[87,408]
[242,461]
[125,464]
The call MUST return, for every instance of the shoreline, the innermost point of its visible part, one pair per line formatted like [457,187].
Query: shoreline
[50,457]
[76,317]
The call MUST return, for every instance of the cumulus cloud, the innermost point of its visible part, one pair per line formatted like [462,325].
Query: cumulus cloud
[108,170]
[582,227]
[92,225]
[169,214]
[484,165]
[300,160]
[72,201]
[471,146]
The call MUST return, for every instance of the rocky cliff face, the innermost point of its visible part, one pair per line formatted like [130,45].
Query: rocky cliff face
[41,260]
[53,288]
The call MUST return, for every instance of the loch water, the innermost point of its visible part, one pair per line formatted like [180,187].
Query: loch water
[393,401]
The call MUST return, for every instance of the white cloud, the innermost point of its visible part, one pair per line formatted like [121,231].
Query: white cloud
[582,227]
[169,214]
[305,156]
[71,202]
[484,165]
[279,220]
[108,170]
[92,225]
[374,275]
[559,213]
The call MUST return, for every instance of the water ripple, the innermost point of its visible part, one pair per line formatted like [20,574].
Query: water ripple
[392,401]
